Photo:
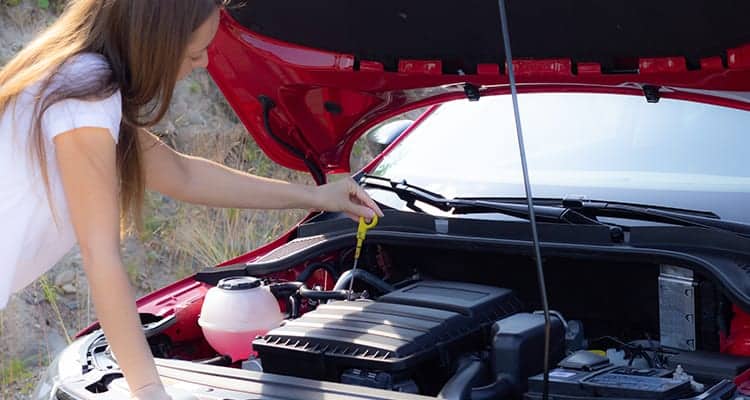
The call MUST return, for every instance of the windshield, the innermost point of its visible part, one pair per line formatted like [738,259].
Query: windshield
[605,146]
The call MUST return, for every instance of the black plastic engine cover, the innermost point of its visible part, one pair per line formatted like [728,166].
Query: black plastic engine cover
[479,302]
[439,321]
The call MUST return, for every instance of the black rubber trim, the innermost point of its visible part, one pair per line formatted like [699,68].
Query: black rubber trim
[689,237]
[425,223]
[318,175]
[212,276]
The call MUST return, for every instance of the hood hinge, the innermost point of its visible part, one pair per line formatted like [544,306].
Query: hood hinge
[652,93]
[472,92]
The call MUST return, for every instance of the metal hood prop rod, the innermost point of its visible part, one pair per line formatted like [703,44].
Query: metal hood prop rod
[529,196]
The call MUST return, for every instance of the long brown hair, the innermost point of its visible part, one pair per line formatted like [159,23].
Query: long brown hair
[143,42]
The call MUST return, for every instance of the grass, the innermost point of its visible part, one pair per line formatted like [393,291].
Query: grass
[217,235]
[50,294]
[14,372]
[131,268]
[152,225]
[42,4]
[200,237]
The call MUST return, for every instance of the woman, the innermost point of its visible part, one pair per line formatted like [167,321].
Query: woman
[75,157]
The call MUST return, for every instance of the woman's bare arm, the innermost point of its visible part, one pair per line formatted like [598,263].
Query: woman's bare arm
[200,181]
[86,159]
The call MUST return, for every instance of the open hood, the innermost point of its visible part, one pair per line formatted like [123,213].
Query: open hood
[308,78]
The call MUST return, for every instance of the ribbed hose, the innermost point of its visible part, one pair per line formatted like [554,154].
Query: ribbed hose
[379,284]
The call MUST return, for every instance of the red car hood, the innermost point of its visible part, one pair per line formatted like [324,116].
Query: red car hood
[308,78]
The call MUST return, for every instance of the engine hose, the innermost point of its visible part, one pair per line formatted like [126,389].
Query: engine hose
[293,303]
[312,268]
[288,289]
[307,293]
[284,289]
[379,284]
[458,387]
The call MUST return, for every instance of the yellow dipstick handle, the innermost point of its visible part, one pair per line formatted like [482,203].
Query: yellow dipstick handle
[361,234]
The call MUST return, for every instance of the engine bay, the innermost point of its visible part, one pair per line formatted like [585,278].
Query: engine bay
[441,324]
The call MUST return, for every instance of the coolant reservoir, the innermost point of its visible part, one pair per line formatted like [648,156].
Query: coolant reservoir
[236,311]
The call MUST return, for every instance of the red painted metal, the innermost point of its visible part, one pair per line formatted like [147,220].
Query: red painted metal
[165,301]
[326,100]
[430,67]
[743,382]
[371,66]
[488,69]
[666,64]
[543,68]
[739,58]
[737,341]
[712,64]
[589,69]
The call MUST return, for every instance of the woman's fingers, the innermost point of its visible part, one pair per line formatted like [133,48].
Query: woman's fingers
[348,197]
[356,208]
[354,217]
[368,201]
[360,197]
[361,211]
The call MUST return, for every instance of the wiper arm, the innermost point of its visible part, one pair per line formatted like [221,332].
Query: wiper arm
[407,192]
[652,213]
[412,193]
[543,213]
[665,215]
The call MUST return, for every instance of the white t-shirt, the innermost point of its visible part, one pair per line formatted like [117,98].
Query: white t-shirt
[30,240]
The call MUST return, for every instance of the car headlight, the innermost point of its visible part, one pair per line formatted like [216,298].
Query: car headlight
[65,365]
[47,386]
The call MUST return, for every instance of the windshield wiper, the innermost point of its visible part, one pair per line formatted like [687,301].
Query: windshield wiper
[559,210]
[642,212]
[411,194]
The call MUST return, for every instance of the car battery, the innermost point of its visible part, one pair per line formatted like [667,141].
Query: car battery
[612,382]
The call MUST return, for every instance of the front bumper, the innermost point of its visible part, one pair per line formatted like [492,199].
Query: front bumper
[85,370]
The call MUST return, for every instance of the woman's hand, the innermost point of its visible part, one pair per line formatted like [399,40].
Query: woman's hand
[159,392]
[346,196]
[151,392]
